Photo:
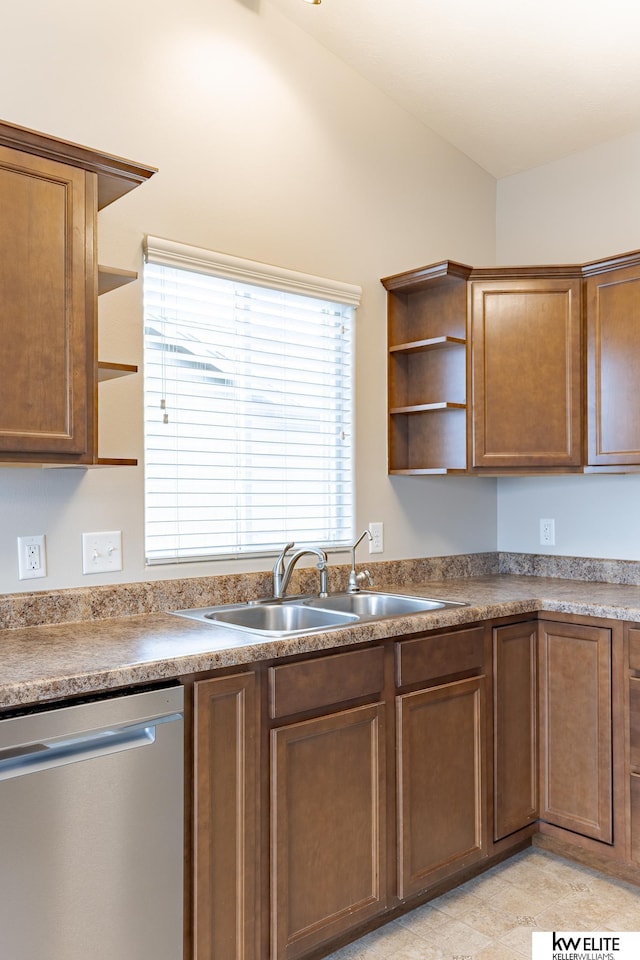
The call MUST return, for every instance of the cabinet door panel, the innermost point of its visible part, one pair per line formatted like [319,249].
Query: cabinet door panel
[225,814]
[575,729]
[526,359]
[46,309]
[515,728]
[328,835]
[613,348]
[440,782]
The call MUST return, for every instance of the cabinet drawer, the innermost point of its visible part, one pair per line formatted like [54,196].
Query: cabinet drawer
[325,681]
[440,655]
[634,648]
[635,818]
[634,724]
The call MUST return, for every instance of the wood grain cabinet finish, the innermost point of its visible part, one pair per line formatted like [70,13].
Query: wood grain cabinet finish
[526,373]
[515,726]
[427,335]
[46,303]
[613,351]
[328,827]
[525,335]
[441,782]
[50,194]
[226,819]
[575,728]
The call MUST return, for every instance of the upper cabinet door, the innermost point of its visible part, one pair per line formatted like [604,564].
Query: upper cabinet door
[613,351]
[526,373]
[46,314]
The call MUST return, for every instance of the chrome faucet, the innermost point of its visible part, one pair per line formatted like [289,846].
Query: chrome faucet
[282,574]
[355,579]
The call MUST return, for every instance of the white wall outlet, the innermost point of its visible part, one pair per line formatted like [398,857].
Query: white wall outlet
[32,557]
[547,533]
[102,552]
[376,544]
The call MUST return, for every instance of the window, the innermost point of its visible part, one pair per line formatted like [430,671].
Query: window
[248,406]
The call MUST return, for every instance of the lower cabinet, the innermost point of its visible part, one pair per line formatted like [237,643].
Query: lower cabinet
[225,811]
[441,782]
[332,788]
[328,789]
[515,726]
[440,757]
[328,827]
[576,777]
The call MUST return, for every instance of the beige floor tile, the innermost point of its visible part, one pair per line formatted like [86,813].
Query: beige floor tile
[520,902]
[498,951]
[424,921]
[459,940]
[519,939]
[458,902]
[492,916]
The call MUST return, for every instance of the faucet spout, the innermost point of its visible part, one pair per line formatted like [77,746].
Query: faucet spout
[283,582]
[355,579]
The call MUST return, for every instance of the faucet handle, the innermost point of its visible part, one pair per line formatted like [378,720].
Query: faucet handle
[364,575]
[278,570]
[280,561]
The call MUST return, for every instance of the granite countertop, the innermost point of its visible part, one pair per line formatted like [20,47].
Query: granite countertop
[53,662]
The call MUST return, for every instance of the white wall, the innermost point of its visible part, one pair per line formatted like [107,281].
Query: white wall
[581,208]
[268,148]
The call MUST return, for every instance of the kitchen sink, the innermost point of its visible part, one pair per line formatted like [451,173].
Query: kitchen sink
[297,615]
[281,618]
[370,605]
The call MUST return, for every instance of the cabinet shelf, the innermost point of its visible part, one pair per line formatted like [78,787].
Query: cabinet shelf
[432,343]
[427,408]
[110,278]
[111,371]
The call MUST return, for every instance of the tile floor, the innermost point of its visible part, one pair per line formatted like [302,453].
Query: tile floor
[492,916]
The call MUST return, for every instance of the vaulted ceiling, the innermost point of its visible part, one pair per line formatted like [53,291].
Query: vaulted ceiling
[512,83]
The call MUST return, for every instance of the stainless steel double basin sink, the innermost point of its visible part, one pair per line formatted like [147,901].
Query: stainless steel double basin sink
[296,615]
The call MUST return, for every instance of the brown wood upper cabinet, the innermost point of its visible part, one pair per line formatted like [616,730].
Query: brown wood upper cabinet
[526,373]
[50,193]
[486,368]
[613,351]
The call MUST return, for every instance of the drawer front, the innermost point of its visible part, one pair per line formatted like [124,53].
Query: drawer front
[634,724]
[325,681]
[440,655]
[634,648]
[635,818]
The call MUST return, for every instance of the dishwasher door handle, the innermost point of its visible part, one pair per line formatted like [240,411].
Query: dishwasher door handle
[37,757]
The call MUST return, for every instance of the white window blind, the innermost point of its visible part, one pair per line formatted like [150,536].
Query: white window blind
[248,406]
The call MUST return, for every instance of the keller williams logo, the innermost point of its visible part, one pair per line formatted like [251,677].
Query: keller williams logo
[575,944]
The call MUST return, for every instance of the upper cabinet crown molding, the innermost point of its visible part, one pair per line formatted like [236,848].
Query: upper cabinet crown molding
[116,176]
[485,368]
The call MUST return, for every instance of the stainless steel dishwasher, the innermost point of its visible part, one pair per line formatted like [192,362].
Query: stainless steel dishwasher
[91,830]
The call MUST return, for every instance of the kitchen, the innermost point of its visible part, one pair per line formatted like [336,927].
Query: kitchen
[270,148]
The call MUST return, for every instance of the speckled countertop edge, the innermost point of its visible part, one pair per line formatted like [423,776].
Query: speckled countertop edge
[57,661]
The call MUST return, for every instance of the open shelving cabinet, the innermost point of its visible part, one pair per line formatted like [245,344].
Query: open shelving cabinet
[427,372]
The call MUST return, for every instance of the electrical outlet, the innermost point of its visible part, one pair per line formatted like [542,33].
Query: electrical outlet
[547,533]
[102,552]
[32,557]
[376,544]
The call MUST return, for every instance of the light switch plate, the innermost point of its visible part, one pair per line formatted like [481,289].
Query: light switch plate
[376,544]
[102,552]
